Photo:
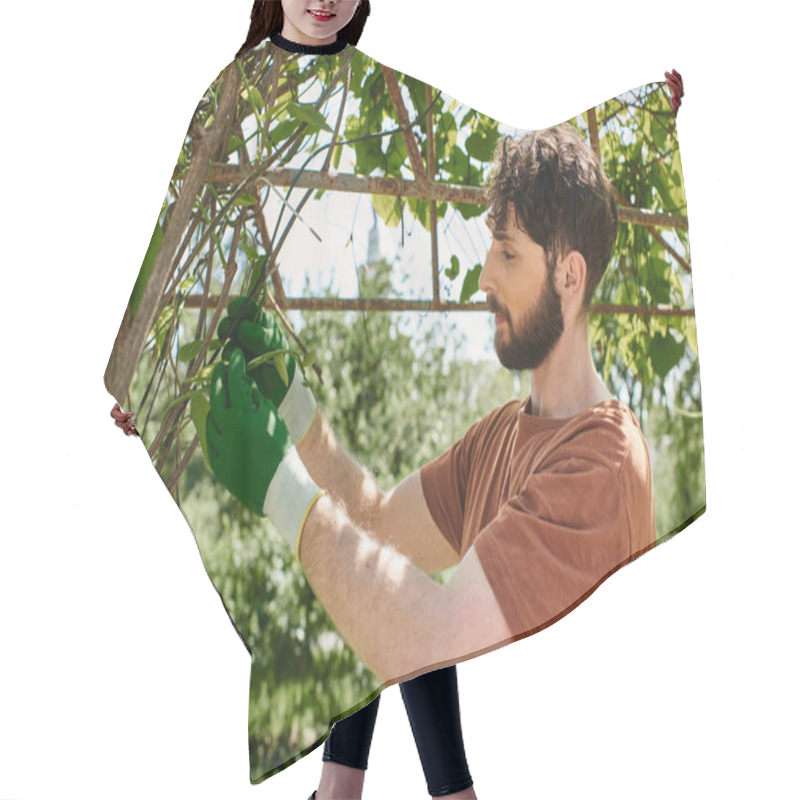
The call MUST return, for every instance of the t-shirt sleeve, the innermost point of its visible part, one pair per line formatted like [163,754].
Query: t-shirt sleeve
[552,543]
[444,485]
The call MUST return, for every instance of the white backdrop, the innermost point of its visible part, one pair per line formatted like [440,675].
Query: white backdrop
[120,674]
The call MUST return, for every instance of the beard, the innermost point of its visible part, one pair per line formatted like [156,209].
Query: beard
[539,330]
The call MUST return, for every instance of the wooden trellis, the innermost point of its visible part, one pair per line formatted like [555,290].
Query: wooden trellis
[205,166]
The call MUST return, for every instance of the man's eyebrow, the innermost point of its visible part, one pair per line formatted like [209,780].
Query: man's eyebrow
[501,236]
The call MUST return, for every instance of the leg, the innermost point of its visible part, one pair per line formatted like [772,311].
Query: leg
[344,759]
[433,711]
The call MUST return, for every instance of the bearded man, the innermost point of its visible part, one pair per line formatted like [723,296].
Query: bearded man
[535,506]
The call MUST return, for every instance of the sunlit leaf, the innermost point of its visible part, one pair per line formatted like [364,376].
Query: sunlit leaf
[470,285]
[481,145]
[280,366]
[245,199]
[388,208]
[250,94]
[690,331]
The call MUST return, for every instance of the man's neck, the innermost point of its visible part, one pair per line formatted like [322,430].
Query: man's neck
[567,383]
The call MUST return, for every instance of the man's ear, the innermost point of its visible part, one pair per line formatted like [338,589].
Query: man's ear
[571,277]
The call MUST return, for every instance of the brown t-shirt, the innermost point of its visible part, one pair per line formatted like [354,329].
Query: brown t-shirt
[551,505]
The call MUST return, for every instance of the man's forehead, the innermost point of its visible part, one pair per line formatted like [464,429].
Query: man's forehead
[500,234]
[510,231]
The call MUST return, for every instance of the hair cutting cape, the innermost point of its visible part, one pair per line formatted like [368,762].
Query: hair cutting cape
[350,197]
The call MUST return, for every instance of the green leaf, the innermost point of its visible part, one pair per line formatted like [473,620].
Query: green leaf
[250,94]
[308,359]
[659,131]
[198,411]
[255,276]
[388,207]
[396,154]
[458,165]
[416,89]
[189,351]
[283,130]
[249,250]
[675,280]
[369,156]
[146,269]
[163,326]
[470,285]
[690,331]
[469,210]
[234,144]
[202,376]
[421,209]
[481,146]
[308,114]
[656,273]
[454,268]
[337,156]
[245,199]
[665,353]
[280,366]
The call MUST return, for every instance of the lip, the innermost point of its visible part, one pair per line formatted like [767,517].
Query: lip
[321,16]
[499,320]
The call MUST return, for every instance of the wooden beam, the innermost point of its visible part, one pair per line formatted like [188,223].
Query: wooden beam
[397,304]
[400,187]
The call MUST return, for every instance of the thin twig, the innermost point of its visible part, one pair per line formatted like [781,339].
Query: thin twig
[294,336]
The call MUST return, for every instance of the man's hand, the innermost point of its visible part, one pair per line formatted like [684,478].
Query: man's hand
[248,327]
[251,453]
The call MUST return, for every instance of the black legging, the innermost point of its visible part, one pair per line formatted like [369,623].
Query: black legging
[432,706]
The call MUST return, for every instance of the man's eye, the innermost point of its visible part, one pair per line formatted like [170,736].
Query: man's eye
[508,256]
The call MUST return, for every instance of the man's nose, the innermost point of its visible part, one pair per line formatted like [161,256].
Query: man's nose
[486,278]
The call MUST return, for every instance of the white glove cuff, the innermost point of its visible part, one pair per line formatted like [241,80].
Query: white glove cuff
[298,408]
[290,496]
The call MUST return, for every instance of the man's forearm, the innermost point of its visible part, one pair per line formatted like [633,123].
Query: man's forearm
[336,471]
[399,517]
[387,609]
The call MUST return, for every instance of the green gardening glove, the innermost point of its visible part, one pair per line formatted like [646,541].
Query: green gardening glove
[247,326]
[251,453]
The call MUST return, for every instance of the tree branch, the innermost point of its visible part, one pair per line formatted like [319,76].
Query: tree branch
[133,330]
[405,127]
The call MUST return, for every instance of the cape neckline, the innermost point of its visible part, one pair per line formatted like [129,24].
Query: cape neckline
[307,49]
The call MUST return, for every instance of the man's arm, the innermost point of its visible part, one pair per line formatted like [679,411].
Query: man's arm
[395,617]
[399,518]
[247,327]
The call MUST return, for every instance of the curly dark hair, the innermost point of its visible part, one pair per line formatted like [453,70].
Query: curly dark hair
[560,196]
[266,19]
